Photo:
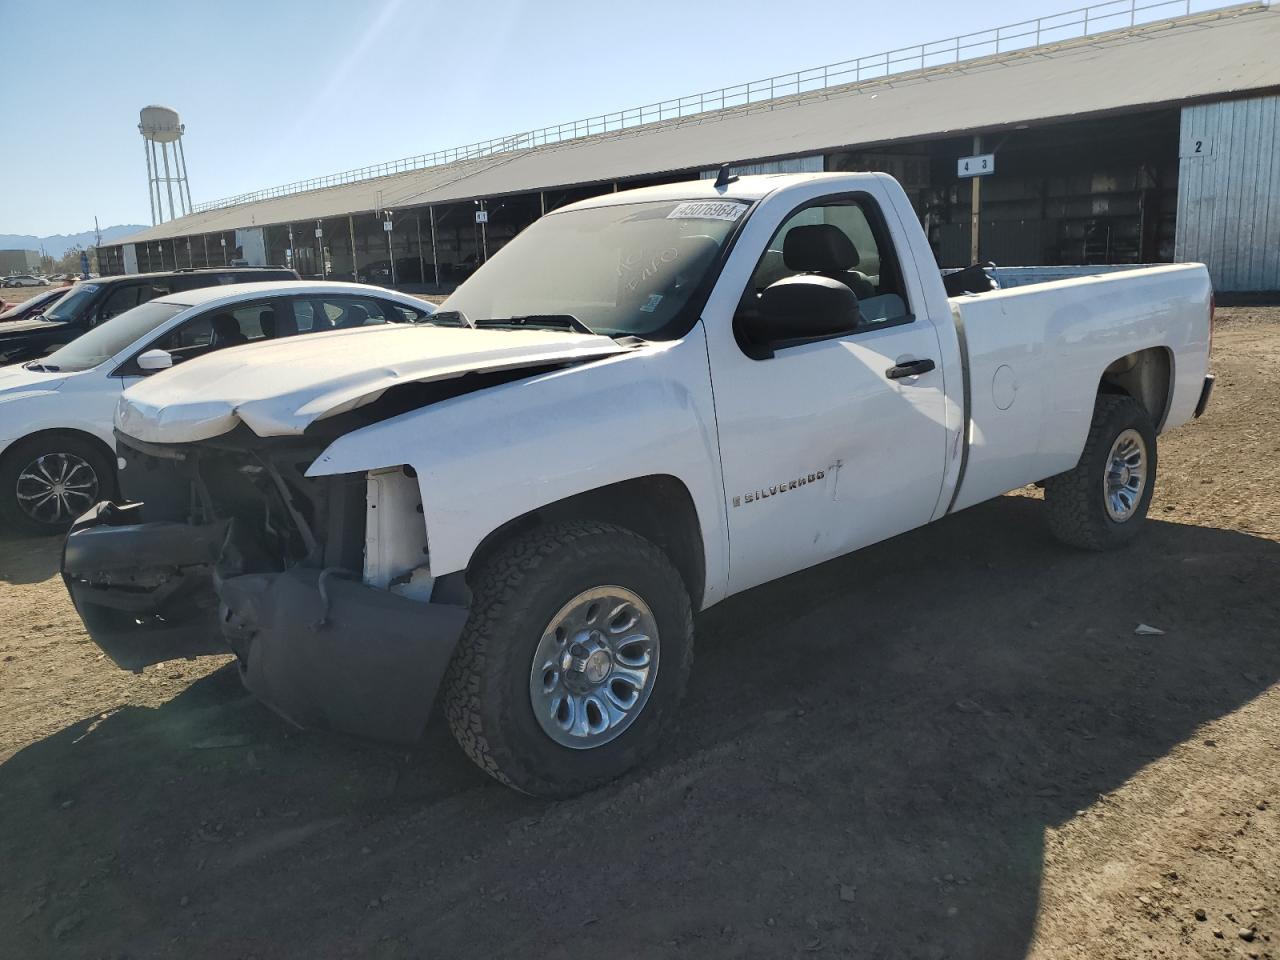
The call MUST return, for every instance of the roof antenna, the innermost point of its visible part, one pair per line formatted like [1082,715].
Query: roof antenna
[724,177]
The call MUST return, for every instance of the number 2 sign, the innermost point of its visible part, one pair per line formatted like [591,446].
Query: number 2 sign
[1196,146]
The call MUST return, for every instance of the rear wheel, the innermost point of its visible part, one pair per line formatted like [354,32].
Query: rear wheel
[1102,503]
[574,659]
[47,482]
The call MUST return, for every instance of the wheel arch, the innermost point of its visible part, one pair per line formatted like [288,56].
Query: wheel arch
[658,507]
[1145,375]
[93,439]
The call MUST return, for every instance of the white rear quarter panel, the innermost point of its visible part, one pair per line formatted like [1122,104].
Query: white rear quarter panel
[1040,352]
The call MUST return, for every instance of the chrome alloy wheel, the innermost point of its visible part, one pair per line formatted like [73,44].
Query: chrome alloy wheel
[56,488]
[1126,475]
[595,667]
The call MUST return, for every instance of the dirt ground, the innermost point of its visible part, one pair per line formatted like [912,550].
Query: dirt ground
[952,745]
[16,295]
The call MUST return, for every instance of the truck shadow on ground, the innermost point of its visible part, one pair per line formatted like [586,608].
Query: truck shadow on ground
[867,764]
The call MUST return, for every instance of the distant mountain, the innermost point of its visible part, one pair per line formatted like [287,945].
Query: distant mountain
[60,243]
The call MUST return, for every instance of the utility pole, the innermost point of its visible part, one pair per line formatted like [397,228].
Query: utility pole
[976,204]
[387,226]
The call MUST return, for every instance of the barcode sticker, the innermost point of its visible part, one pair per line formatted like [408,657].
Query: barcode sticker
[708,210]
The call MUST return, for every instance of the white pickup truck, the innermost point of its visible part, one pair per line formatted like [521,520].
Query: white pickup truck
[645,403]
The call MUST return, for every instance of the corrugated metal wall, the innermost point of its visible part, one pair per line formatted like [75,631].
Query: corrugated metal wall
[1229,192]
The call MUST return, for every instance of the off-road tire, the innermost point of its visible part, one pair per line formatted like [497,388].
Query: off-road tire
[16,458]
[515,596]
[1076,501]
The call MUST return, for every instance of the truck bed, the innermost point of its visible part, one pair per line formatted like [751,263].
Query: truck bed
[1033,352]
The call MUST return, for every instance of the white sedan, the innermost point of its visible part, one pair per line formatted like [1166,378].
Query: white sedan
[57,449]
[25,280]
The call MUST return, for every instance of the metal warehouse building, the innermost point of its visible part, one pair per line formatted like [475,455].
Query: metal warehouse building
[1128,142]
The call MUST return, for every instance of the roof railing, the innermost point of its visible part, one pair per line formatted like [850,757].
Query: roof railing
[1075,24]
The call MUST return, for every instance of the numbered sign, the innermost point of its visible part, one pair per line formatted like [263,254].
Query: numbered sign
[1195,146]
[981,165]
[482,216]
[386,225]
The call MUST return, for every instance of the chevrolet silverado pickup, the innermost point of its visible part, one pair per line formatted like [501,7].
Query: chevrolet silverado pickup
[644,403]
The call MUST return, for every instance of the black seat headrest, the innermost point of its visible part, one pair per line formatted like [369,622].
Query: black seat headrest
[819,248]
[283,323]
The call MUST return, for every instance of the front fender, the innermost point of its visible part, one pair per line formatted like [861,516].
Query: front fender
[485,458]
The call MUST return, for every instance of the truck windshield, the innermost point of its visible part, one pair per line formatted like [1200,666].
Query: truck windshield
[622,269]
[69,307]
[107,339]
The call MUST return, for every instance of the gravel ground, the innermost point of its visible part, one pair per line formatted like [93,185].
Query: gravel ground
[952,744]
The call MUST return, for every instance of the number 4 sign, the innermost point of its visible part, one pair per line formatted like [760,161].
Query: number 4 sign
[981,165]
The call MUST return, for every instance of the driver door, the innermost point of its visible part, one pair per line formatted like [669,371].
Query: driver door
[823,451]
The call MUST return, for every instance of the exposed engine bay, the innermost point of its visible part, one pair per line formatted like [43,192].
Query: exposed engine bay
[227,545]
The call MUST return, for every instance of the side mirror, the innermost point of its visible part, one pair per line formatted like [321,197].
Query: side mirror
[152,360]
[803,307]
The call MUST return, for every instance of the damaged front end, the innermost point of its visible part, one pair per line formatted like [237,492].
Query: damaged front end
[328,605]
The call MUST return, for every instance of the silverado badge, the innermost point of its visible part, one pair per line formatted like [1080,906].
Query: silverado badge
[779,488]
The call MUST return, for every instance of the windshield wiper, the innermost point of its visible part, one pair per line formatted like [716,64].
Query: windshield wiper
[547,321]
[38,367]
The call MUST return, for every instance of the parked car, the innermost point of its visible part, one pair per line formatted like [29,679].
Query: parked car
[408,270]
[35,306]
[662,397]
[57,455]
[91,303]
[25,280]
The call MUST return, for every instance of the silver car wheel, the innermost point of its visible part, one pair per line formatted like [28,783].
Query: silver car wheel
[595,667]
[56,487]
[1126,475]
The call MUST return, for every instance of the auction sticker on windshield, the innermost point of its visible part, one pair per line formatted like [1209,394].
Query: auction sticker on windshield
[708,210]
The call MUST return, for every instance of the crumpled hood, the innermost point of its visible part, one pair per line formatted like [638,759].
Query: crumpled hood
[282,387]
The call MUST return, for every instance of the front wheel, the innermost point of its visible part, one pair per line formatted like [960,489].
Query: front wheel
[573,661]
[1102,502]
[46,482]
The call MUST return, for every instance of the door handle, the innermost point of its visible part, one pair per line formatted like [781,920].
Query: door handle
[912,368]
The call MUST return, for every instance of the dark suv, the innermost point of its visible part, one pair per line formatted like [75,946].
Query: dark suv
[91,302]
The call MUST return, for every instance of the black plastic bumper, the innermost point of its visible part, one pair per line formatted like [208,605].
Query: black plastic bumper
[319,647]
[1205,393]
[326,651]
[144,590]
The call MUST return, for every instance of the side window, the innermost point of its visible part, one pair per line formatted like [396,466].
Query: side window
[844,239]
[197,332]
[399,313]
[343,313]
[190,281]
[230,327]
[122,298]
[305,315]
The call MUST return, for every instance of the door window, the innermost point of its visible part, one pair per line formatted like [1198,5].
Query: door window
[122,298]
[268,320]
[844,239]
[340,312]
[400,312]
[229,327]
[129,295]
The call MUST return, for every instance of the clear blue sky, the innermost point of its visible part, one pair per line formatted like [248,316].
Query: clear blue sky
[279,90]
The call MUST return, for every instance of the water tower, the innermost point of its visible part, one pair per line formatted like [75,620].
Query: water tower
[160,125]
